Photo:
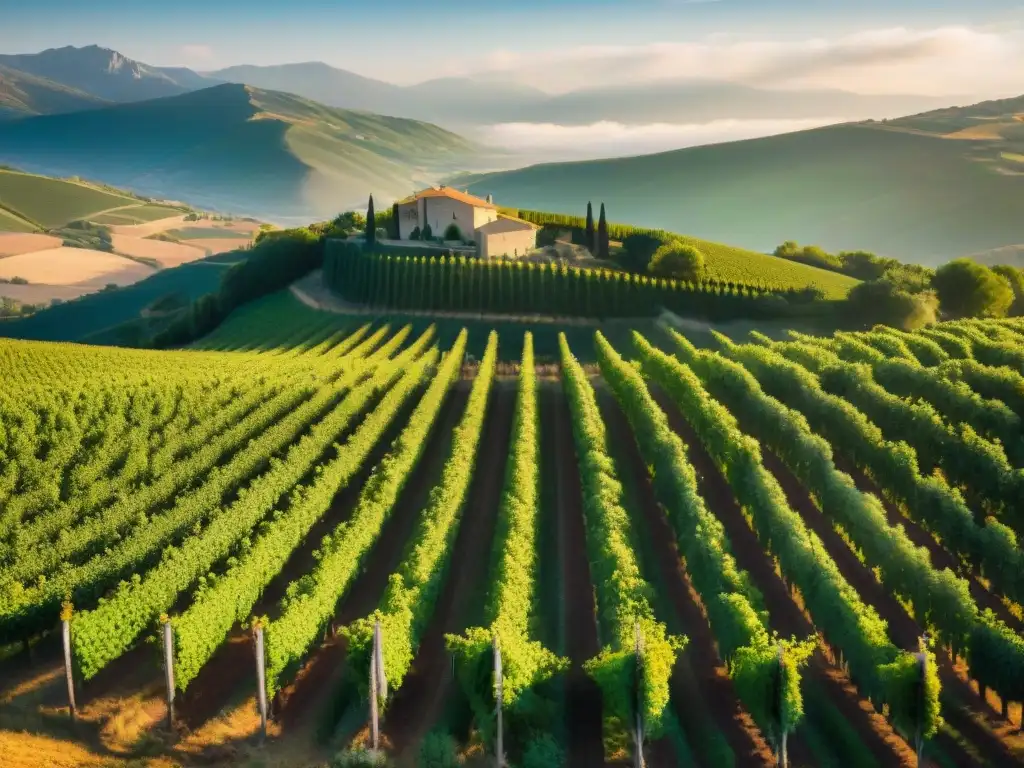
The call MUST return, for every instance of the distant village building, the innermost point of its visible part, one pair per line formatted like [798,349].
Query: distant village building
[477,219]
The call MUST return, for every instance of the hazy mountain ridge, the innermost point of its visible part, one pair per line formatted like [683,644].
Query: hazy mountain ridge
[239,149]
[105,74]
[455,102]
[23,94]
[920,198]
[468,101]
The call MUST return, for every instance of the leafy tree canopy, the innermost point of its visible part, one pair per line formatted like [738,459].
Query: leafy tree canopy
[968,289]
[886,302]
[678,260]
[1015,277]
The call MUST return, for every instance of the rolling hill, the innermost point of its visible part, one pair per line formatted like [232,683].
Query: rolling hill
[42,202]
[239,149]
[911,195]
[107,313]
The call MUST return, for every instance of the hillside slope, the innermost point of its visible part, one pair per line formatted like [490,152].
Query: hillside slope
[46,202]
[104,74]
[23,94]
[916,197]
[239,149]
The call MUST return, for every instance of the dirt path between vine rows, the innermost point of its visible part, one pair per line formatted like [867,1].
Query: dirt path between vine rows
[582,696]
[317,681]
[786,616]
[970,716]
[231,671]
[940,556]
[420,702]
[702,692]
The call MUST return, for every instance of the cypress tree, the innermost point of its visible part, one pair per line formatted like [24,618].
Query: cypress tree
[602,236]
[589,241]
[371,225]
[396,231]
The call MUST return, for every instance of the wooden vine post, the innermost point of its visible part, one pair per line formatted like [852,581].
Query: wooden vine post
[261,675]
[378,684]
[922,667]
[780,692]
[638,736]
[168,634]
[65,625]
[499,690]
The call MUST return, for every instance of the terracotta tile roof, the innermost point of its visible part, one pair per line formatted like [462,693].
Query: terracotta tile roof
[517,219]
[505,224]
[453,194]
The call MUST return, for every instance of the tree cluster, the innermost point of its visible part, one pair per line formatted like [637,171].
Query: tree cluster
[276,260]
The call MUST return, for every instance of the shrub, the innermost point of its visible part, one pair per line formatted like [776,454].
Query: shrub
[637,251]
[415,234]
[438,751]
[360,757]
[381,233]
[969,289]
[428,233]
[808,295]
[887,303]
[1015,277]
[675,259]
[811,255]
[453,232]
[19,281]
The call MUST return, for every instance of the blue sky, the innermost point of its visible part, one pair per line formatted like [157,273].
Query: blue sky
[793,42]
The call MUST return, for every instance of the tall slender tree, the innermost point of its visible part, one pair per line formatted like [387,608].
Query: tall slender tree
[590,242]
[602,236]
[396,230]
[371,225]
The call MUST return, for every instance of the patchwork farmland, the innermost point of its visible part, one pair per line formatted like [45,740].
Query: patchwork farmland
[805,548]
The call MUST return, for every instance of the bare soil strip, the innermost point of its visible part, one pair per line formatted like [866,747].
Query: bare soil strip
[14,243]
[319,678]
[786,616]
[164,253]
[231,672]
[699,674]
[582,696]
[971,711]
[420,702]
[940,556]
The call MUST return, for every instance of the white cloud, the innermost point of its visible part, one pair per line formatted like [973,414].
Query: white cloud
[197,54]
[939,61]
[609,139]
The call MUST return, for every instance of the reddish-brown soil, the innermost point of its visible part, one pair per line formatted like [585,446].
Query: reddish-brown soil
[699,674]
[421,699]
[582,696]
[940,556]
[903,630]
[786,615]
[313,683]
[231,671]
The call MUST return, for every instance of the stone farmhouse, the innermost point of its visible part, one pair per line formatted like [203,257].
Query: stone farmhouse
[495,235]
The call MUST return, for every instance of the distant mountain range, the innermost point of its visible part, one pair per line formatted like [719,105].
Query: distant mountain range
[240,149]
[924,189]
[23,94]
[460,102]
[77,77]
[308,140]
[104,74]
